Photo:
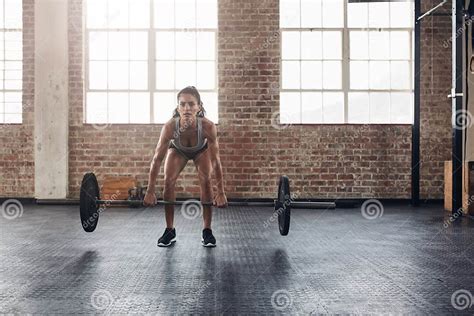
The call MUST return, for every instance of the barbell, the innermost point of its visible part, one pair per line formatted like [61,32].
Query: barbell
[90,203]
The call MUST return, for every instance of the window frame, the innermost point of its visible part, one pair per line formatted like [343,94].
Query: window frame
[345,67]
[4,60]
[151,31]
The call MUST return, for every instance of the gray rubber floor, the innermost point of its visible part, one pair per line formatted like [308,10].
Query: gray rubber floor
[405,260]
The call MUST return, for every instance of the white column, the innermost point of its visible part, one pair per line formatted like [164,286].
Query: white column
[51,99]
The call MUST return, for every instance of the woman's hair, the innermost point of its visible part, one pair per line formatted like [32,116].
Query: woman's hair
[195,93]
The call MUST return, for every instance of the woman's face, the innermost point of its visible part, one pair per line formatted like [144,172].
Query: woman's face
[188,106]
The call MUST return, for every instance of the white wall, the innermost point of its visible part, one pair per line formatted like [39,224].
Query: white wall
[51,99]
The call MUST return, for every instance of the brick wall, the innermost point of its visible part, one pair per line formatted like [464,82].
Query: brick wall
[17,144]
[436,142]
[321,160]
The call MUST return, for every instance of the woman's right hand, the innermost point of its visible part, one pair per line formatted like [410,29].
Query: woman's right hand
[150,198]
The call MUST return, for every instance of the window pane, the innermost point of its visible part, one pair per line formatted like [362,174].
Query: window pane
[333,107]
[359,45]
[332,75]
[96,107]
[399,45]
[378,14]
[332,45]
[401,109]
[13,65]
[13,14]
[291,74]
[206,46]
[165,45]
[205,75]
[13,84]
[380,107]
[290,45]
[311,13]
[312,107]
[118,107]
[207,14]
[138,46]
[2,47]
[13,74]
[138,75]
[117,13]
[1,26]
[96,13]
[401,14]
[164,104]
[13,55]
[357,14]
[289,13]
[359,75]
[13,46]
[13,118]
[139,13]
[98,45]
[140,107]
[98,75]
[164,13]
[358,107]
[11,107]
[400,75]
[209,100]
[12,97]
[311,45]
[165,75]
[311,75]
[185,45]
[118,46]
[379,74]
[290,110]
[118,75]
[333,13]
[379,45]
[185,74]
[185,14]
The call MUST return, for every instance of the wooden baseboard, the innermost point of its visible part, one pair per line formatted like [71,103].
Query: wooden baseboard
[467,187]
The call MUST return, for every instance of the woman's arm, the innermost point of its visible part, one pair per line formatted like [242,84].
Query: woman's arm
[215,159]
[160,153]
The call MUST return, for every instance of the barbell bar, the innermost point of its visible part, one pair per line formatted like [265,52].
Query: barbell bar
[294,204]
[90,202]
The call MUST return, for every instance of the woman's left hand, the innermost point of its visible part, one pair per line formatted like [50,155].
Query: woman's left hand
[220,200]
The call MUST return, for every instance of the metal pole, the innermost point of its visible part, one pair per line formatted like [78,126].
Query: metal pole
[293,204]
[456,106]
[415,129]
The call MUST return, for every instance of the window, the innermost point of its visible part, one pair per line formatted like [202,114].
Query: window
[140,53]
[346,62]
[11,61]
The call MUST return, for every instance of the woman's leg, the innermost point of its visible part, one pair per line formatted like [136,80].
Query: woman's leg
[204,169]
[174,164]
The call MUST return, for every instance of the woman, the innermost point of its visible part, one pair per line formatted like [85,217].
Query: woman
[188,135]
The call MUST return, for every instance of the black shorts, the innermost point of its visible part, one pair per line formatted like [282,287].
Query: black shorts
[188,156]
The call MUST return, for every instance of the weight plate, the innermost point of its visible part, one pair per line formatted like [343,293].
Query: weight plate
[283,205]
[88,207]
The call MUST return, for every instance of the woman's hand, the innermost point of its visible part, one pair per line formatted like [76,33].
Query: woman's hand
[150,198]
[220,200]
